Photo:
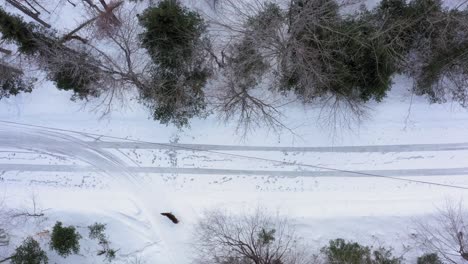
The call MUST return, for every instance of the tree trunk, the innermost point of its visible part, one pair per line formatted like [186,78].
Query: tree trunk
[4,260]
[7,52]
[28,12]
[8,69]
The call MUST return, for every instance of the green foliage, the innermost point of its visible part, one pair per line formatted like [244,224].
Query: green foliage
[364,67]
[384,256]
[109,254]
[67,68]
[246,64]
[268,19]
[14,29]
[65,240]
[266,237]
[13,83]
[341,251]
[173,38]
[430,258]
[78,76]
[419,37]
[430,43]
[342,54]
[172,31]
[403,25]
[29,252]
[97,231]
[444,71]
[14,86]
[176,100]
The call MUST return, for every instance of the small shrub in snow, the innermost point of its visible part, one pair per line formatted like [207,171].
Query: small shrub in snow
[65,240]
[341,251]
[29,252]
[96,231]
[430,258]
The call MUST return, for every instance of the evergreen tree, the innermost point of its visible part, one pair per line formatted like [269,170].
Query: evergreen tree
[332,54]
[341,251]
[65,240]
[69,69]
[29,252]
[12,82]
[174,39]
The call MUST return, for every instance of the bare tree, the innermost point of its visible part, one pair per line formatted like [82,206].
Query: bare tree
[276,47]
[16,218]
[124,61]
[245,64]
[445,233]
[341,113]
[22,214]
[105,21]
[241,97]
[259,238]
[107,74]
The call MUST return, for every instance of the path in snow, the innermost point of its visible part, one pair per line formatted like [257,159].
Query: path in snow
[204,147]
[100,158]
[201,171]
[106,164]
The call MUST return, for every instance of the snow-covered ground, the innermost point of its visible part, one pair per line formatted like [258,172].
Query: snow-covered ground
[125,169]
[143,169]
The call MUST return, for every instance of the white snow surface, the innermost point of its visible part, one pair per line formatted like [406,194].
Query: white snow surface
[81,177]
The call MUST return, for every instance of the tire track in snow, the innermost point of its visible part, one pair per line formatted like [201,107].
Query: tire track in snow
[202,171]
[203,147]
[125,143]
[47,141]
[101,161]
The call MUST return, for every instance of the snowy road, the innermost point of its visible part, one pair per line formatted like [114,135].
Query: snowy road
[201,171]
[350,149]
[87,177]
[61,151]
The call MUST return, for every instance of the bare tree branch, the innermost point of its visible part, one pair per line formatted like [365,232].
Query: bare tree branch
[445,233]
[108,11]
[28,12]
[258,238]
